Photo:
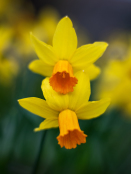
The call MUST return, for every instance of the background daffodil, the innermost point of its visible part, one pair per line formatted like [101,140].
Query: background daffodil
[8,66]
[64,59]
[63,111]
[116,83]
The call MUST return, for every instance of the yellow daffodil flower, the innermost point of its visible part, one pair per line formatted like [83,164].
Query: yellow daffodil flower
[8,66]
[64,59]
[3,6]
[6,34]
[63,111]
[8,70]
[43,28]
[47,21]
[116,83]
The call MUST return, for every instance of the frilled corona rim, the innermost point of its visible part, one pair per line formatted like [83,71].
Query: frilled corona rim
[62,79]
[70,132]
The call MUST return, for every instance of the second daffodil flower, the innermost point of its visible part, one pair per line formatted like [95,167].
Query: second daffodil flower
[63,111]
[63,59]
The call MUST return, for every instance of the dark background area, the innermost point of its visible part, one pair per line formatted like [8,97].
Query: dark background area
[99,17]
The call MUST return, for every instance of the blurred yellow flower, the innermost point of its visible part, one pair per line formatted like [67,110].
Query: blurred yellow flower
[63,111]
[116,83]
[46,24]
[8,70]
[5,37]
[8,67]
[27,23]
[21,37]
[19,19]
[64,59]
[3,6]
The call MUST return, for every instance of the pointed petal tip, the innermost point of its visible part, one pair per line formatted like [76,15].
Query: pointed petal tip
[103,45]
[107,101]
[106,44]
[66,16]
[31,66]
[36,130]
[19,100]
[31,35]
[102,42]
[66,19]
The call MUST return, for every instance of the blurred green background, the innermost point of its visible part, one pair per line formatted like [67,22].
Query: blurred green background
[107,150]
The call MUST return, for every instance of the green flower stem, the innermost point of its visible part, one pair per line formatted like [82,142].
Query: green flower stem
[36,165]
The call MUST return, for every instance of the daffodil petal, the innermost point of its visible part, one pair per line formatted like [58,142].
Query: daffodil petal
[39,107]
[93,71]
[47,124]
[88,54]
[54,99]
[81,92]
[39,67]
[65,39]
[73,100]
[93,109]
[44,52]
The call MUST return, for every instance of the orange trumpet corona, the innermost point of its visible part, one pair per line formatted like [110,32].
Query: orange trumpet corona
[70,132]
[62,79]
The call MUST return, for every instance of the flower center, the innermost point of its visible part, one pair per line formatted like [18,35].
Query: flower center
[62,79]
[70,132]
